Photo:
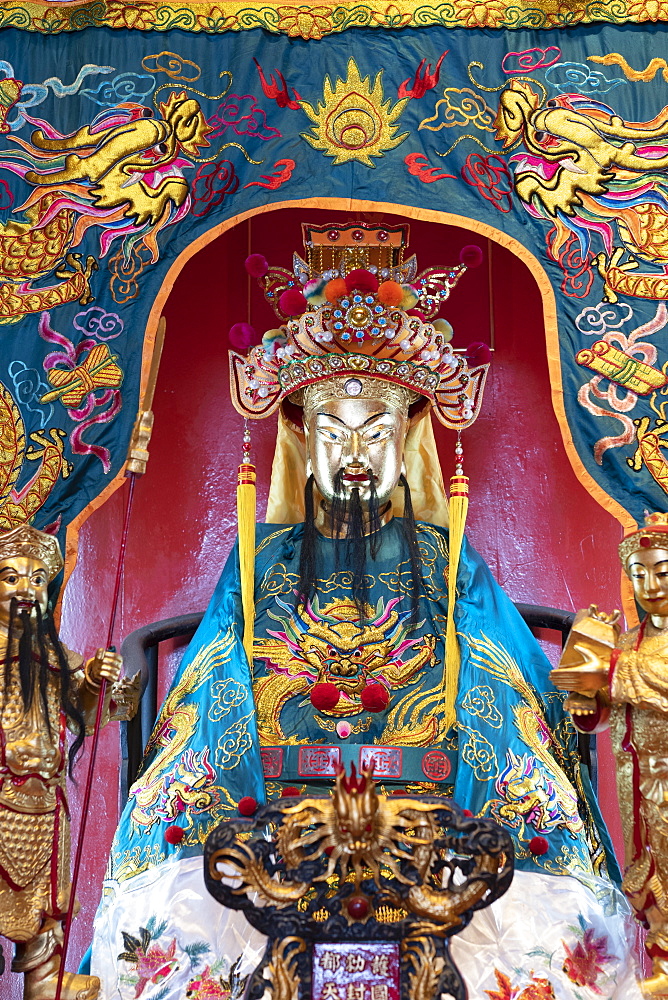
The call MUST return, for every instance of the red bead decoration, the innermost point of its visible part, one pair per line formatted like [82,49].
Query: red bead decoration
[538,846]
[361,280]
[375,697]
[174,834]
[242,336]
[333,235]
[324,697]
[478,354]
[290,790]
[382,236]
[471,256]
[256,265]
[646,542]
[293,302]
[358,907]
[247,805]
[357,235]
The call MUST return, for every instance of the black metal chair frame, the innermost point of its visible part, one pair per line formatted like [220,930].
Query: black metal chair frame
[141,651]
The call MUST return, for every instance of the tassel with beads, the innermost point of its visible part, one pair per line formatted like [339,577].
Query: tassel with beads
[246,512]
[459,502]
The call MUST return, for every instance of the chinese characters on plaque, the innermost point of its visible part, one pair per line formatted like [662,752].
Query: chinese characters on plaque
[358,971]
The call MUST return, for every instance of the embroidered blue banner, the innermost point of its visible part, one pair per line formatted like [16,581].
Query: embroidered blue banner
[118,149]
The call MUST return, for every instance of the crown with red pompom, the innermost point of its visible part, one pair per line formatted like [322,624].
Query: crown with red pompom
[356,308]
[654,535]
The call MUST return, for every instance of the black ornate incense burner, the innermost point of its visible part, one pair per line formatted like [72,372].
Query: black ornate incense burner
[358,892]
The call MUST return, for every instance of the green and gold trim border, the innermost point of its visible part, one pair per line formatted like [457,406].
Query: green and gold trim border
[314,22]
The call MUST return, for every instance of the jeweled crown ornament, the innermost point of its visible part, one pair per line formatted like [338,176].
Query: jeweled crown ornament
[654,535]
[355,308]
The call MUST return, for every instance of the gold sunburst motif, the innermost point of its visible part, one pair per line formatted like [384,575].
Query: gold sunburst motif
[354,122]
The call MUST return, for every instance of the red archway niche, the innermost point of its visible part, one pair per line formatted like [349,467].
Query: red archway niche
[545,538]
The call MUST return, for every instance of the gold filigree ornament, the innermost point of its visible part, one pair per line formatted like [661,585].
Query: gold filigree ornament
[309,873]
[354,122]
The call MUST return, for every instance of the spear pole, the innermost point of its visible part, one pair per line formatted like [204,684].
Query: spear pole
[135,467]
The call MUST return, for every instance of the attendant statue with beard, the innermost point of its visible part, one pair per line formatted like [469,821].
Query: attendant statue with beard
[349,662]
[46,690]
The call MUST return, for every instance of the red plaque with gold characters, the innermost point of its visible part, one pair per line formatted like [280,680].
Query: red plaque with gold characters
[355,971]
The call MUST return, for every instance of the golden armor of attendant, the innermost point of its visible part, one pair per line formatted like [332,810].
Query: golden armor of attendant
[626,688]
[45,690]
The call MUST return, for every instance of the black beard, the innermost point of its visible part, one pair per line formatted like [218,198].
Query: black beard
[35,639]
[347,512]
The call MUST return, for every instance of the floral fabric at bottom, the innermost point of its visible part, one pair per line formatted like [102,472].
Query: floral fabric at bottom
[574,947]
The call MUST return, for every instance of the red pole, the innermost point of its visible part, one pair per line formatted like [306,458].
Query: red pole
[95,739]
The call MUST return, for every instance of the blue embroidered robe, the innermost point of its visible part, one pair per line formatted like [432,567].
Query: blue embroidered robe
[513,755]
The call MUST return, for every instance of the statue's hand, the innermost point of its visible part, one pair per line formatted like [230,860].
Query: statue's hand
[105,665]
[581,704]
[585,679]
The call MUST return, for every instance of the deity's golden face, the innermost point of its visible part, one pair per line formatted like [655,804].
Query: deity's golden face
[648,570]
[362,436]
[26,579]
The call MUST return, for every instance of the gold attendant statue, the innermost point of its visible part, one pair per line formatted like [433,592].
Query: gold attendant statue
[624,685]
[46,689]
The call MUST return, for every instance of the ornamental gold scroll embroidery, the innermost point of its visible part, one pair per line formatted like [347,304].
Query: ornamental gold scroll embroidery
[534,789]
[178,772]
[331,645]
[234,743]
[479,701]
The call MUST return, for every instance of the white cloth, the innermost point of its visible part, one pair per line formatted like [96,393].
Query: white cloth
[546,931]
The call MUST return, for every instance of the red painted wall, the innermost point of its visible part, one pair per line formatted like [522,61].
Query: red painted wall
[545,539]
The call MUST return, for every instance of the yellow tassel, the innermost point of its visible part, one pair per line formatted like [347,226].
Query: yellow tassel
[246,526]
[459,502]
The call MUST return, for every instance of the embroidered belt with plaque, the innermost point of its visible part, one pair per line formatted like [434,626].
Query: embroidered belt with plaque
[290,763]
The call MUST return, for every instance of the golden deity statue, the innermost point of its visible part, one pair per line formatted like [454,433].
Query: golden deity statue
[46,690]
[622,682]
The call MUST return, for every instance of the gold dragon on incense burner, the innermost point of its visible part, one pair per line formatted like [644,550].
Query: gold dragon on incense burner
[365,835]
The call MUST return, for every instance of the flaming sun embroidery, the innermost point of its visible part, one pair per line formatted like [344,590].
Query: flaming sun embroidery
[354,123]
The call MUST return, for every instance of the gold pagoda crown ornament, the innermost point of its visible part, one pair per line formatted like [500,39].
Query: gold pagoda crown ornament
[356,309]
[654,535]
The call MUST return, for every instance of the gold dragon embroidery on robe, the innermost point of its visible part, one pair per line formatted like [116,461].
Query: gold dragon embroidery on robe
[179,779]
[19,506]
[331,645]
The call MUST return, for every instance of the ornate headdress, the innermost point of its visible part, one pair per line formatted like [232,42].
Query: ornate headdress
[654,535]
[357,318]
[355,310]
[27,541]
